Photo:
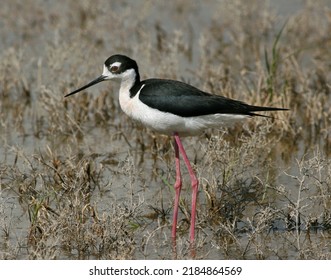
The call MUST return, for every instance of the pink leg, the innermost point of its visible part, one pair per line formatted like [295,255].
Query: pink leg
[194,182]
[177,187]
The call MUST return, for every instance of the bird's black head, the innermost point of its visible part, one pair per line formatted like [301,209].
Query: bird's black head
[116,67]
[118,64]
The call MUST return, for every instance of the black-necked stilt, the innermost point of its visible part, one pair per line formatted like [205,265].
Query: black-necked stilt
[172,108]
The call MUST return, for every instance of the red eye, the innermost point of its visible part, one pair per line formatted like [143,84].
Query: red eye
[114,69]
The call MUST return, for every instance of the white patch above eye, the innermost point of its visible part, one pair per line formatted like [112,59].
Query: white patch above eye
[107,70]
[115,67]
[116,64]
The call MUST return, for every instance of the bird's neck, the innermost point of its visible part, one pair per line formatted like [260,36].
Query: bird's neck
[130,82]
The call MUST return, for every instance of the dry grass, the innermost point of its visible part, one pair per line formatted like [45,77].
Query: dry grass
[79,180]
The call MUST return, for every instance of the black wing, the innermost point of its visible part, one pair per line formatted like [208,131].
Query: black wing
[187,101]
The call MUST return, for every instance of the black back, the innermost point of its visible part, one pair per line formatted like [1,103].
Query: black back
[187,101]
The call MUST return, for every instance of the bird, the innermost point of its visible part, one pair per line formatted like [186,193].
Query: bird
[172,108]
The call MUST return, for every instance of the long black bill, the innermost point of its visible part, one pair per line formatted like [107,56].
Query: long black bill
[96,81]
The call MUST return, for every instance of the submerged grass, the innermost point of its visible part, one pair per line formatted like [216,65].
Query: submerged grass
[79,180]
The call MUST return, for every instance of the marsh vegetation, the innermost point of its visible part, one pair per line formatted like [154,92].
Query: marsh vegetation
[80,180]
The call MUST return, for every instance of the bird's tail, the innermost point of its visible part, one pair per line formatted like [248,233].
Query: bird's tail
[253,109]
